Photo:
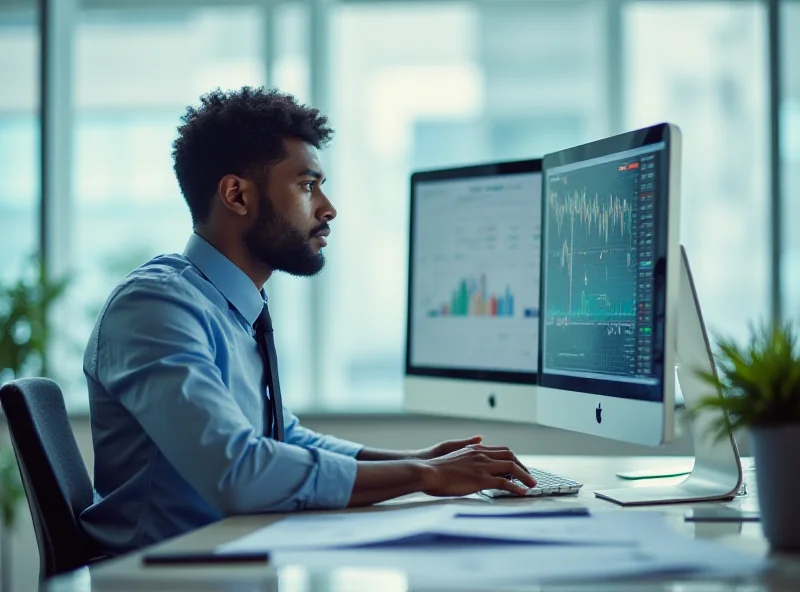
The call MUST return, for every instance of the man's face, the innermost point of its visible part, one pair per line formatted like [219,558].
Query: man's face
[293,214]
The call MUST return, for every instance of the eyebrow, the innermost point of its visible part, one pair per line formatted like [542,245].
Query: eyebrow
[312,173]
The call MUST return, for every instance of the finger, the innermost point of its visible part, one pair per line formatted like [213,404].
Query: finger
[450,446]
[509,467]
[505,485]
[496,454]
[502,448]
[453,445]
[520,465]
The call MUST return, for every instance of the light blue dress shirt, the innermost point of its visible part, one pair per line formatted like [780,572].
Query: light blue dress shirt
[178,410]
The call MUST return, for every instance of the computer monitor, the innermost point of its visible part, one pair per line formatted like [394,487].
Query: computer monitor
[610,263]
[473,291]
[620,311]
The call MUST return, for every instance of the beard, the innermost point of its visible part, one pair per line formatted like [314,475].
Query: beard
[280,246]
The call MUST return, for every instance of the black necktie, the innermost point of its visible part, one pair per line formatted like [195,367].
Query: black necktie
[265,338]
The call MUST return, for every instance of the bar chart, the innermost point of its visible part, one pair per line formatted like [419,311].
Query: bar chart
[475,277]
[471,298]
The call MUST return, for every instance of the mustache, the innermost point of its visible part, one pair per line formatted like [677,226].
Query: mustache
[320,228]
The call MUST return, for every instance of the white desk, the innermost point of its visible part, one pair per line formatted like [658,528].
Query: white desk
[128,573]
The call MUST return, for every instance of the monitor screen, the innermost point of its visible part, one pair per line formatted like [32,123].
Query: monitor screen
[474,272]
[605,244]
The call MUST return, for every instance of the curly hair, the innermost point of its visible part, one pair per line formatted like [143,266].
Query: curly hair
[238,132]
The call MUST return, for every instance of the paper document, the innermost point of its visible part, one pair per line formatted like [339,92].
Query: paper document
[474,564]
[449,546]
[343,529]
[602,529]
[432,523]
[491,566]
[521,512]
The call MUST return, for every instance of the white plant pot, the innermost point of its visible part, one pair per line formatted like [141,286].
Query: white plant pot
[776,450]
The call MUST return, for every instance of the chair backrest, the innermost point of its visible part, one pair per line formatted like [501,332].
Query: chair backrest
[54,475]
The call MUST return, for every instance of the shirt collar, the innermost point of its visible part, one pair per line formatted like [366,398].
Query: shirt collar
[232,282]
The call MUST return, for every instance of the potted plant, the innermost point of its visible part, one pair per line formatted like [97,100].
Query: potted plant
[760,387]
[23,340]
[23,328]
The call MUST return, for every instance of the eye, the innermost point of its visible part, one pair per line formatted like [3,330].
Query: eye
[309,185]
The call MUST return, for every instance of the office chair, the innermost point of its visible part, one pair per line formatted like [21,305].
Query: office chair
[54,476]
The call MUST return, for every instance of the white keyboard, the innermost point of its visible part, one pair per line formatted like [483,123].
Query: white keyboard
[546,484]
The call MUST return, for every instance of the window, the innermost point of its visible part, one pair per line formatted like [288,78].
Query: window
[407,86]
[475,82]
[19,143]
[19,148]
[135,72]
[790,156]
[712,82]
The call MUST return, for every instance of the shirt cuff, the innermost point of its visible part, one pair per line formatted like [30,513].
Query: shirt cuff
[345,447]
[335,478]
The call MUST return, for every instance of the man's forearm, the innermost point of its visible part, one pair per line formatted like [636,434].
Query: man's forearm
[377,454]
[379,481]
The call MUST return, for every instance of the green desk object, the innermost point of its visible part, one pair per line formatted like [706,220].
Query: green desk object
[667,471]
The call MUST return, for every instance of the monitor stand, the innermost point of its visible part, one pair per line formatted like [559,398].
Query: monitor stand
[717,472]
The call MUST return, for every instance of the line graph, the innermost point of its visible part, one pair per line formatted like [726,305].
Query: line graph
[591,268]
[595,233]
[605,216]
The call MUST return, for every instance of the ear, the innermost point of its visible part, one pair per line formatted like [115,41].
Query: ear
[238,195]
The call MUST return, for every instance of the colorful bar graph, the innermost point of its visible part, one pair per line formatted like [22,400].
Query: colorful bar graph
[471,298]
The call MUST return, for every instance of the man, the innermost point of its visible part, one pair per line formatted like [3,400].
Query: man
[187,420]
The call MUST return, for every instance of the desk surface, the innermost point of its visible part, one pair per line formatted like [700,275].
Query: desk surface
[127,573]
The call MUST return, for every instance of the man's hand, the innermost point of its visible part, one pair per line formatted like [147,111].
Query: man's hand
[444,448]
[467,468]
[473,468]
[474,443]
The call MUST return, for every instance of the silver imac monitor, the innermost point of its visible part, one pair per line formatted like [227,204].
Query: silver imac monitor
[619,309]
[610,263]
[473,291]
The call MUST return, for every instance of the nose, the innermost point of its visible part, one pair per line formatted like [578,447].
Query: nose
[326,211]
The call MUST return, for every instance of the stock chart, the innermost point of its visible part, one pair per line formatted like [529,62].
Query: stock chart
[592,268]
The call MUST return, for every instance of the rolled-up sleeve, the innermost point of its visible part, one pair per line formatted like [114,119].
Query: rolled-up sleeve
[168,380]
[302,436]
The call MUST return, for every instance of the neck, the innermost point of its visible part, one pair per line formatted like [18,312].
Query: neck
[235,250]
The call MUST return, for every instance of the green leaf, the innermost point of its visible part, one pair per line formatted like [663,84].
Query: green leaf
[11,490]
[24,305]
[755,384]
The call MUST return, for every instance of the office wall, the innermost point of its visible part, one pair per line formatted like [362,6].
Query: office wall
[385,431]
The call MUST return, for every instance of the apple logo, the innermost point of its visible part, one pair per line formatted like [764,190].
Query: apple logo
[598,413]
